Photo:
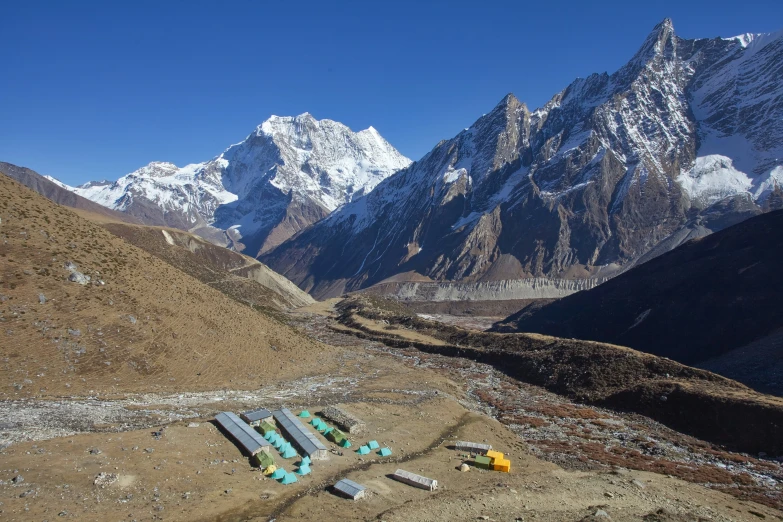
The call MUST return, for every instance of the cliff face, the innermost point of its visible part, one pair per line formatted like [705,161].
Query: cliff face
[531,288]
[614,168]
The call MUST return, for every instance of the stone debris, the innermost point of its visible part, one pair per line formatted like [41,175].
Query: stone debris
[105,479]
[76,276]
[347,421]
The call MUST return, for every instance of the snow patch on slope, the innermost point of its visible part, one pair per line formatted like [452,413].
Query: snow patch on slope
[312,162]
[714,178]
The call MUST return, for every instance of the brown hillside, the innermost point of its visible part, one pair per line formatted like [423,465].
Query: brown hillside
[139,324]
[31,179]
[236,275]
[689,400]
[709,298]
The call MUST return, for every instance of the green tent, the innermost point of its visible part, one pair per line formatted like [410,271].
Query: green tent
[278,443]
[304,414]
[346,443]
[384,452]
[364,450]
[336,436]
[289,478]
[315,422]
[263,459]
[278,474]
[265,428]
[483,462]
[305,461]
[373,444]
[303,470]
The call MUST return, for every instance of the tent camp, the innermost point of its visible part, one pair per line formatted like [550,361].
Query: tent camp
[263,459]
[336,436]
[473,447]
[344,419]
[288,453]
[256,417]
[265,427]
[415,480]
[289,478]
[246,437]
[301,437]
[350,489]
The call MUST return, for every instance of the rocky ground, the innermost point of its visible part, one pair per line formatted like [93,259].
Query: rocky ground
[157,456]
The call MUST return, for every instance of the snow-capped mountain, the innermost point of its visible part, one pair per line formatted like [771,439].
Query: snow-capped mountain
[684,139]
[289,173]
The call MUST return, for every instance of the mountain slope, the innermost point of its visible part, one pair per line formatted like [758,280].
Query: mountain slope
[700,301]
[236,275]
[612,169]
[289,173]
[85,312]
[59,193]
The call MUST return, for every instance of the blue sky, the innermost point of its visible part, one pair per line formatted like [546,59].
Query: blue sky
[96,90]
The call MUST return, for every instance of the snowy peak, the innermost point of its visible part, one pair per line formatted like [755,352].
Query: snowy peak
[660,46]
[660,40]
[157,169]
[288,173]
[684,139]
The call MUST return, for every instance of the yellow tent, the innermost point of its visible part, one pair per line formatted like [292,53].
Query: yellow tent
[503,465]
[492,454]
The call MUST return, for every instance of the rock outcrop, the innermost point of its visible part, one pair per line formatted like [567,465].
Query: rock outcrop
[683,140]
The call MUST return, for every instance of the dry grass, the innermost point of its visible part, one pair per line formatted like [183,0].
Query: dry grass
[149,327]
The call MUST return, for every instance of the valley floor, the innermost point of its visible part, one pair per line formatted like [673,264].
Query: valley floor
[569,462]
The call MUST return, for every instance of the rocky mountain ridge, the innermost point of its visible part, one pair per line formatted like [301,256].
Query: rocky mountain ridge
[704,303]
[683,140]
[289,173]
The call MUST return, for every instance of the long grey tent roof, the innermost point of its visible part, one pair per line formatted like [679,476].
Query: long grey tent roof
[246,437]
[301,436]
[256,415]
[349,488]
